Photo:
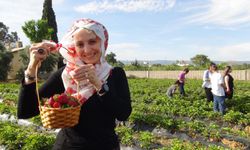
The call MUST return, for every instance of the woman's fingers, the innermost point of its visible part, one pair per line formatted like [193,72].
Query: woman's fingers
[83,68]
[39,52]
[43,48]
[81,72]
[85,72]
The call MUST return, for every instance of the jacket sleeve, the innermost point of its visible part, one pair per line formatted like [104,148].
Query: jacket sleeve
[117,100]
[27,101]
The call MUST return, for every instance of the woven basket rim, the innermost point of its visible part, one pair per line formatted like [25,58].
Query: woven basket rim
[50,108]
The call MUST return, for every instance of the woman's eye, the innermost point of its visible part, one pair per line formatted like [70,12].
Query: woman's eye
[92,42]
[80,45]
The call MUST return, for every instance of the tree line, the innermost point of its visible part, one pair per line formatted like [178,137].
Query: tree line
[199,62]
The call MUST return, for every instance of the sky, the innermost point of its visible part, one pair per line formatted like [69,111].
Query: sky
[150,29]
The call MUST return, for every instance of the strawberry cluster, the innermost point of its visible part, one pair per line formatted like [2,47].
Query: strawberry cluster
[61,101]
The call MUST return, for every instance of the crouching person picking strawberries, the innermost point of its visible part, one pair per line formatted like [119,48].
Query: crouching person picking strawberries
[101,90]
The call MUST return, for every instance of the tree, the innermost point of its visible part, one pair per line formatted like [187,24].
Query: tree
[5,56]
[36,31]
[4,36]
[7,38]
[49,16]
[136,63]
[111,58]
[5,60]
[200,60]
[119,64]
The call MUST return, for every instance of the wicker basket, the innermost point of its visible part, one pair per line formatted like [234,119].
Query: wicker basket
[58,117]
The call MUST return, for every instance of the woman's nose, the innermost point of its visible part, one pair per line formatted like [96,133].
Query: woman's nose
[86,49]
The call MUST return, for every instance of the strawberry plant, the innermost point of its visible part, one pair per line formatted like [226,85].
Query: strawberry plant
[38,141]
[232,116]
[146,139]
[191,115]
[125,134]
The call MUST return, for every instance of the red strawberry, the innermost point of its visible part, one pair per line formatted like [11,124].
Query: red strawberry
[63,99]
[51,101]
[72,103]
[56,105]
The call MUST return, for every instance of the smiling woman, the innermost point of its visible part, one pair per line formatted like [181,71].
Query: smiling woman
[88,46]
[102,90]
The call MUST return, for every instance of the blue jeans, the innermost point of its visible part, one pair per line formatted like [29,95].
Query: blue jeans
[181,88]
[219,104]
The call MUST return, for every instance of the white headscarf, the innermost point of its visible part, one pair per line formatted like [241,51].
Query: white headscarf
[103,69]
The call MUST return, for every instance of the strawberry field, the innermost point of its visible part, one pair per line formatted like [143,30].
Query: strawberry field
[156,122]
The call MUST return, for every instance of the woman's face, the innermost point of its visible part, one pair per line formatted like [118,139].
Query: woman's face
[88,46]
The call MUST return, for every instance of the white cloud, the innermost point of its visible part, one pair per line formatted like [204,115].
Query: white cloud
[223,13]
[235,52]
[125,6]
[132,51]
[124,51]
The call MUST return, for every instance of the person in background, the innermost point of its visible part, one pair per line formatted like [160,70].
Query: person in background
[172,89]
[229,82]
[103,89]
[182,78]
[217,84]
[207,83]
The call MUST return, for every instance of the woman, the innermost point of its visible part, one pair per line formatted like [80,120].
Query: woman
[103,90]
[229,82]
[207,83]
[217,85]
[182,78]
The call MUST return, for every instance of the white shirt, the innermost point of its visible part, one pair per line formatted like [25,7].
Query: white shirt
[206,79]
[216,81]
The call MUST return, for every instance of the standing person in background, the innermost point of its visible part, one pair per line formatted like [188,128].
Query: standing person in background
[181,78]
[229,82]
[207,83]
[103,89]
[217,84]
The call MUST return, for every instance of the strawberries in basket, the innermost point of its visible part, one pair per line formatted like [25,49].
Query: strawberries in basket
[61,101]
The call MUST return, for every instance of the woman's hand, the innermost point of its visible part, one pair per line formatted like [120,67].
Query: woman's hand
[87,72]
[228,90]
[39,52]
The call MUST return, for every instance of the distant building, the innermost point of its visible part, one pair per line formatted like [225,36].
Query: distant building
[15,63]
[13,45]
[182,63]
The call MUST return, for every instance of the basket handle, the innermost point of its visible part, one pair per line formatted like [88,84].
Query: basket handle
[37,90]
